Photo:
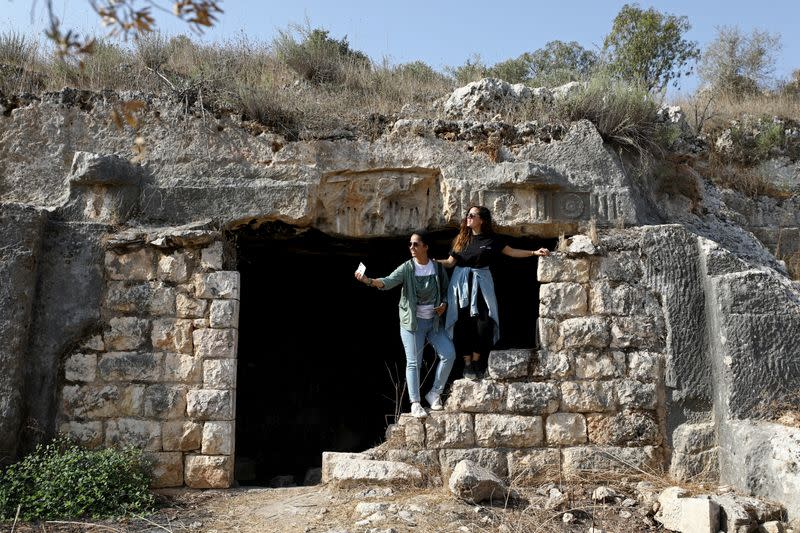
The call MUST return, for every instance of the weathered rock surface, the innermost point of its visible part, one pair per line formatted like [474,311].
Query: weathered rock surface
[474,483]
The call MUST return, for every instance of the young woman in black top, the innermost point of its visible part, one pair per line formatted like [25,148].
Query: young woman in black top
[472,319]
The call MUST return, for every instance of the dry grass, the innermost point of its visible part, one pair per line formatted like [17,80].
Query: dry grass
[706,111]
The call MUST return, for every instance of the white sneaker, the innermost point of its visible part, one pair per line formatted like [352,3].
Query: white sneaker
[434,401]
[417,411]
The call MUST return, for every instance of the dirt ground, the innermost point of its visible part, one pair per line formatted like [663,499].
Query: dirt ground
[322,509]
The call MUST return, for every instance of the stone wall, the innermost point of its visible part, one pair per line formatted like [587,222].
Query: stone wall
[591,398]
[160,373]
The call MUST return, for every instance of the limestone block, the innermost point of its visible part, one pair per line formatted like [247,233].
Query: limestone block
[208,471]
[200,323]
[550,365]
[219,373]
[773,526]
[618,266]
[126,333]
[476,396]
[358,472]
[623,429]
[694,438]
[94,343]
[547,331]
[101,401]
[587,396]
[179,435]
[532,398]
[425,460]
[218,438]
[162,301]
[80,367]
[413,431]
[152,298]
[509,364]
[734,514]
[173,268]
[620,299]
[131,266]
[566,429]
[166,469]
[646,366]
[130,366]
[449,430]
[580,245]
[475,483]
[594,365]
[165,402]
[637,332]
[224,314]
[552,268]
[488,458]
[188,307]
[633,394]
[211,258]
[581,460]
[588,332]
[184,368]
[695,467]
[224,284]
[88,434]
[330,459]
[173,335]
[144,434]
[508,431]
[533,467]
[562,299]
[215,343]
[687,515]
[205,404]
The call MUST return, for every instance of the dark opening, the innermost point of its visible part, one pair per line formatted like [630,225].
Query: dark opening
[320,358]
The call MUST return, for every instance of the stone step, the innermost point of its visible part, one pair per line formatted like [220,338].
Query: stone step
[354,469]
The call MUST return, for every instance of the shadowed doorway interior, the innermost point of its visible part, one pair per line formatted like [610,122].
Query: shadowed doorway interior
[320,359]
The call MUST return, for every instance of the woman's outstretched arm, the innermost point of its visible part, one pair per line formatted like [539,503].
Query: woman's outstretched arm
[370,282]
[450,262]
[515,252]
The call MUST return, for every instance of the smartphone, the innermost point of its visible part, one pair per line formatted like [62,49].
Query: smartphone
[361,268]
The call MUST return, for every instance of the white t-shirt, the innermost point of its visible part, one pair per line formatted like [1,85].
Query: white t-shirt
[425,311]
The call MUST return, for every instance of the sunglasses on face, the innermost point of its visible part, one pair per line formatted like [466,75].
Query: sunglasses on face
[473,215]
[413,244]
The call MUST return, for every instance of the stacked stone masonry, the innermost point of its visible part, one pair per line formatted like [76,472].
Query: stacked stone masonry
[161,374]
[590,398]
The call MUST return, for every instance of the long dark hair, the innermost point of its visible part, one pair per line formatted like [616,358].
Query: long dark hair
[465,233]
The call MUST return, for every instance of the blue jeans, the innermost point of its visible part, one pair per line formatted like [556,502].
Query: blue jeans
[414,343]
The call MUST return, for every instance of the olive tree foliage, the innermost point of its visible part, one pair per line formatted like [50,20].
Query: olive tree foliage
[558,62]
[554,64]
[128,18]
[737,63]
[648,47]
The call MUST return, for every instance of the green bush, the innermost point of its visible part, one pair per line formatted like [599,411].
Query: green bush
[317,57]
[62,480]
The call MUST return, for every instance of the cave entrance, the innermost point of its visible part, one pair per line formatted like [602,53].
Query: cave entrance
[321,364]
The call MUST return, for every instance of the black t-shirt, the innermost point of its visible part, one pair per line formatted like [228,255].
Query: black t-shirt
[482,251]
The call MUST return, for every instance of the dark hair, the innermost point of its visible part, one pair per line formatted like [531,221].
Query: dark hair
[465,234]
[424,237]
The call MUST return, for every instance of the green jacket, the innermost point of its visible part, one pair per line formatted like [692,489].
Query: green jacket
[404,274]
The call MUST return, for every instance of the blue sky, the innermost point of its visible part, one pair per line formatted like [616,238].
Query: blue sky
[447,32]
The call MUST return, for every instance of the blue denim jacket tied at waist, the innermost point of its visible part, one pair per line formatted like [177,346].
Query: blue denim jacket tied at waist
[460,296]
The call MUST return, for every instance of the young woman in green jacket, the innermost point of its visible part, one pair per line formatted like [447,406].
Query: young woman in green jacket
[423,301]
